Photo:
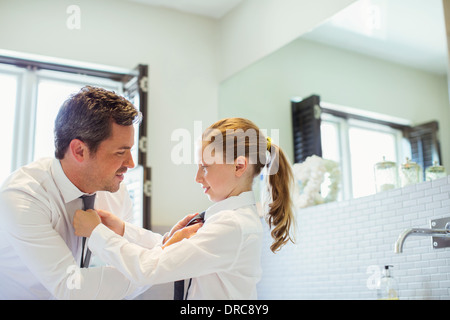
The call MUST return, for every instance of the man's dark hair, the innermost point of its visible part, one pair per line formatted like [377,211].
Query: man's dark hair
[88,116]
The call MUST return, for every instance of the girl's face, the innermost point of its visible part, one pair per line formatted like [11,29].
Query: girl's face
[219,180]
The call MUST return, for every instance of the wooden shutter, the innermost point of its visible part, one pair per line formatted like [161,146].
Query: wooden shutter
[306,128]
[425,148]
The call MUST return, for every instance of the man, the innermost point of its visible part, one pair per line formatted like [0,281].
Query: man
[40,255]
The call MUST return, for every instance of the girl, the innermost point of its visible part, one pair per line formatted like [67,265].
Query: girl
[223,258]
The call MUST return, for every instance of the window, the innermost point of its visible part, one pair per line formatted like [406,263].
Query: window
[53,88]
[32,92]
[366,144]
[358,141]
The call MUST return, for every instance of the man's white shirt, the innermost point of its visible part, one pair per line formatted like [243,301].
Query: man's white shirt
[39,252]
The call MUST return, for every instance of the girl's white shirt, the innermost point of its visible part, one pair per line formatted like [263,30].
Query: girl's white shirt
[223,258]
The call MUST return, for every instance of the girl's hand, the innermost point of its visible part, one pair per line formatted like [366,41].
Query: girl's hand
[85,221]
[184,233]
[112,222]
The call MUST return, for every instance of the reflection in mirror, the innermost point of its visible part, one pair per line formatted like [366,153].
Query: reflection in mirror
[388,30]
[383,58]
[409,32]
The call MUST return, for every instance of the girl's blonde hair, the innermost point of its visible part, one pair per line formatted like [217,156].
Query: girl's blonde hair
[236,137]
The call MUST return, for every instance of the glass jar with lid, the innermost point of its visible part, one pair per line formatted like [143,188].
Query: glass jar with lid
[410,173]
[435,172]
[385,175]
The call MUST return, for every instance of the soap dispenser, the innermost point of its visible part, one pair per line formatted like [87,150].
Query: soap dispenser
[388,289]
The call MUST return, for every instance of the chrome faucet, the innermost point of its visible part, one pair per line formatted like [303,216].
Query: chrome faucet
[438,233]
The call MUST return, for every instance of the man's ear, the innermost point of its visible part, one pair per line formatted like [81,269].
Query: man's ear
[241,165]
[78,150]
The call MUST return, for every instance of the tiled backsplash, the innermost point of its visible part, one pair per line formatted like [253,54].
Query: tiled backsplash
[340,245]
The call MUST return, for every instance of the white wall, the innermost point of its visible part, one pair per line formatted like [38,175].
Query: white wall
[263,91]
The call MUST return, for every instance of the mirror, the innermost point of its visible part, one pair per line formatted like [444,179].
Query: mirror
[382,57]
[407,32]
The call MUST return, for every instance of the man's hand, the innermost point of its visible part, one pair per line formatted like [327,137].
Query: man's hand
[184,233]
[85,221]
[112,222]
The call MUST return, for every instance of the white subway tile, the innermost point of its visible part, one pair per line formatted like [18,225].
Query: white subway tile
[359,233]
[441,196]
[433,205]
[439,182]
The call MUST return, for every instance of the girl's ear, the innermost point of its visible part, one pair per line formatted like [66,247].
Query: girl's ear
[78,150]
[241,165]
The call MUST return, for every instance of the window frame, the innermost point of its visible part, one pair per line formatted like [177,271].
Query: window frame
[344,153]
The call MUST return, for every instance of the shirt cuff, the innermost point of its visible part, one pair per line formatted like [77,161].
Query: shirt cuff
[99,236]
[142,237]
[132,232]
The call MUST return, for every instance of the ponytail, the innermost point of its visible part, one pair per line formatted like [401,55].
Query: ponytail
[280,216]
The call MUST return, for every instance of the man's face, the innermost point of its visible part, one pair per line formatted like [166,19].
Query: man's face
[113,158]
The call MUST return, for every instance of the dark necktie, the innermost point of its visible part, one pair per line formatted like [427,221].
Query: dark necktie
[179,285]
[88,203]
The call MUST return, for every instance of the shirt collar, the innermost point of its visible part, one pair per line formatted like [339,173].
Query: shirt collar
[232,203]
[68,190]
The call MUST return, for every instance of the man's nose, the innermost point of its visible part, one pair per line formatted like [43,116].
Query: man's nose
[129,163]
